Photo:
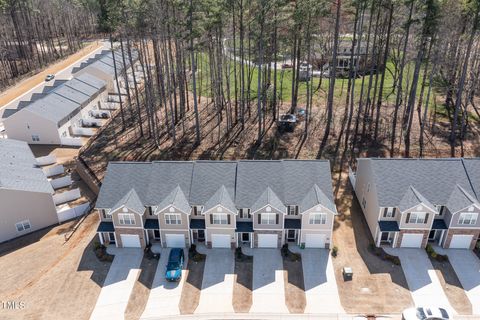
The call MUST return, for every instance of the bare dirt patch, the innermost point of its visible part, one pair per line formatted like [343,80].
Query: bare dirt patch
[192,287]
[452,286]
[55,279]
[242,287]
[141,289]
[294,286]
[374,281]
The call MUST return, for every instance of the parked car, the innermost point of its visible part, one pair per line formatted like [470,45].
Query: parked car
[426,313]
[286,66]
[287,122]
[175,265]
[49,77]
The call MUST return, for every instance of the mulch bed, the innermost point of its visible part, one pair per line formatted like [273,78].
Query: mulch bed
[242,288]
[141,289]
[294,286]
[193,284]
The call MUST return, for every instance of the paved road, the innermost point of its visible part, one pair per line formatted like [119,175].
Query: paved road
[121,278]
[164,296]
[321,289]
[268,282]
[467,267]
[60,77]
[217,284]
[421,278]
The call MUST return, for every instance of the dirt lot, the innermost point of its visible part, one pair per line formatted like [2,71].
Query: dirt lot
[452,287]
[63,154]
[294,286]
[141,289]
[374,280]
[191,288]
[55,280]
[242,288]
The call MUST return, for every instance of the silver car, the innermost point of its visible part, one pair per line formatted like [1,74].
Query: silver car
[426,313]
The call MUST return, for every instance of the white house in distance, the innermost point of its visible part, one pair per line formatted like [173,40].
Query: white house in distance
[51,118]
[26,202]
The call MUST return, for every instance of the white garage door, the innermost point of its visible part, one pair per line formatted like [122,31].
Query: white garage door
[412,240]
[313,240]
[130,240]
[460,241]
[267,240]
[220,241]
[175,240]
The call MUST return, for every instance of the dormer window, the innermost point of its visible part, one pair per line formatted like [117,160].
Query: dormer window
[292,210]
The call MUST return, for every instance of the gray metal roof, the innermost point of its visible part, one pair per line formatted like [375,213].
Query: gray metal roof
[131,201]
[18,169]
[208,177]
[65,100]
[433,179]
[177,199]
[221,197]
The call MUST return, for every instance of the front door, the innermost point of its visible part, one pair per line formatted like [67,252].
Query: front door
[291,235]
[201,235]
[431,235]
[111,237]
[156,234]
[384,236]
[245,237]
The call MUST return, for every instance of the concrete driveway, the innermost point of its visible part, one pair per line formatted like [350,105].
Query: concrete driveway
[121,278]
[421,278]
[467,267]
[164,296]
[321,289]
[217,285]
[268,282]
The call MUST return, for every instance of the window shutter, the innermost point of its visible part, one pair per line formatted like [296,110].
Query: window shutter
[277,216]
[259,218]
[211,218]
[408,217]
[426,218]
[228,219]
[385,210]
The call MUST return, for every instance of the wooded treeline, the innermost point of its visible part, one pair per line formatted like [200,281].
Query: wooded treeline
[34,33]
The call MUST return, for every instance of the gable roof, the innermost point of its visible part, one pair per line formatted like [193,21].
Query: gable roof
[18,168]
[131,201]
[208,177]
[221,197]
[433,179]
[316,197]
[412,198]
[177,199]
[268,197]
[472,167]
[460,199]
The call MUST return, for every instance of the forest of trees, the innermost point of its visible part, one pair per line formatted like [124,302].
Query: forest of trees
[34,33]
[416,83]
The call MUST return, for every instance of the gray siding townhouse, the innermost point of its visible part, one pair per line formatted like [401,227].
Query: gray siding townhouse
[26,202]
[411,202]
[222,203]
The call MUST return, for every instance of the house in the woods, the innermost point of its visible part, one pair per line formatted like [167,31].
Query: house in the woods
[413,202]
[223,204]
[26,202]
[52,118]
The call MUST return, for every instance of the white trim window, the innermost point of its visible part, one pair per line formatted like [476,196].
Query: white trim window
[219,218]
[23,225]
[173,218]
[245,213]
[35,137]
[105,215]
[317,218]
[268,218]
[417,217]
[390,211]
[468,218]
[292,210]
[197,210]
[126,218]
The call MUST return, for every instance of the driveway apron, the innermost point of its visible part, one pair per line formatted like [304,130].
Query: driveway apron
[164,296]
[116,290]
[321,289]
[217,283]
[268,282]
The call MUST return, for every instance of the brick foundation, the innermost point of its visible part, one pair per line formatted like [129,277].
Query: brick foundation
[452,232]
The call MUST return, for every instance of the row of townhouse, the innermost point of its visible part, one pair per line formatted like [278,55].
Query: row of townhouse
[224,204]
[413,202]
